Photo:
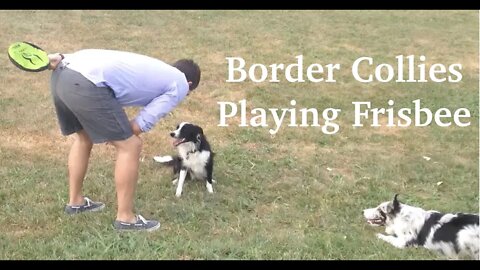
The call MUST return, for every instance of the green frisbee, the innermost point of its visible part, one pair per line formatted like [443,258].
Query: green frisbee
[28,56]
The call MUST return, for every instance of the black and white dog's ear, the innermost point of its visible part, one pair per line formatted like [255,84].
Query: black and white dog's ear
[200,133]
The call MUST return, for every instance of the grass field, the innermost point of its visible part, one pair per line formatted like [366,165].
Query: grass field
[295,195]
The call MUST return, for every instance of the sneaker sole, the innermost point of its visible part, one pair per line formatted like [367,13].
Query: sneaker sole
[92,210]
[154,228]
[97,209]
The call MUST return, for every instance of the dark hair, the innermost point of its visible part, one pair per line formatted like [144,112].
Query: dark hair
[191,71]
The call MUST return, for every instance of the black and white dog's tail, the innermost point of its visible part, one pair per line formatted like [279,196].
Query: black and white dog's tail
[163,159]
[175,162]
[171,161]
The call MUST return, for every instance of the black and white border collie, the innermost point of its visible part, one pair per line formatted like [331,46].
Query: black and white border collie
[455,235]
[195,157]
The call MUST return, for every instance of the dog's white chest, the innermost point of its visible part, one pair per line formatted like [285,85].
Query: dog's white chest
[195,161]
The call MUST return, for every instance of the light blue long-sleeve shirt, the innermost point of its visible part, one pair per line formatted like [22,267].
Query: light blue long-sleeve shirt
[136,80]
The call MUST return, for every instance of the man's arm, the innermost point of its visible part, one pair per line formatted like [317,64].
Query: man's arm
[157,109]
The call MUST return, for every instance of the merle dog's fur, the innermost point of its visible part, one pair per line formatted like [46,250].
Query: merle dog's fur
[455,235]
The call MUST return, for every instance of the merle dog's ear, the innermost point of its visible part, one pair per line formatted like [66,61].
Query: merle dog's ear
[393,207]
[395,198]
[396,203]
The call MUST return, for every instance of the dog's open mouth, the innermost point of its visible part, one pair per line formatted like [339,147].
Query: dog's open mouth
[376,221]
[177,142]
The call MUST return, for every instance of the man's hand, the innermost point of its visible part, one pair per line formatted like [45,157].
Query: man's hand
[55,59]
[135,128]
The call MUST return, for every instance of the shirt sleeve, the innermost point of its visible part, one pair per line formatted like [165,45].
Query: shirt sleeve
[157,109]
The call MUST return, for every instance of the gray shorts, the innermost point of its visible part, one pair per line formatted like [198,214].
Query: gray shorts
[81,105]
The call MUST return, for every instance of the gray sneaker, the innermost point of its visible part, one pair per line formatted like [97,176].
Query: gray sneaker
[89,206]
[141,225]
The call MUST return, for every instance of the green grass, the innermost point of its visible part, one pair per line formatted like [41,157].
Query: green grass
[274,197]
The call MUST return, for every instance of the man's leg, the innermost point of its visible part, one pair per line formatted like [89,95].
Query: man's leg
[97,112]
[126,176]
[80,150]
[77,166]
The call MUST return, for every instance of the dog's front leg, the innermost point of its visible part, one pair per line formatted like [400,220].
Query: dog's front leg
[181,180]
[209,186]
[209,181]
[395,241]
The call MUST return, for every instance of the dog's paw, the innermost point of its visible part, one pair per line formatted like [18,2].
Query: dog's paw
[178,194]
[209,188]
[389,231]
[163,159]
[380,236]
[175,181]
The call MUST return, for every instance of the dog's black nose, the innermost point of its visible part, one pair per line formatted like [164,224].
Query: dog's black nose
[172,134]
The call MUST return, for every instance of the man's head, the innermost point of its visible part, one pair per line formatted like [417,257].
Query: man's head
[191,71]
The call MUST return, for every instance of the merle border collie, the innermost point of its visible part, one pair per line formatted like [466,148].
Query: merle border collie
[195,156]
[455,235]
